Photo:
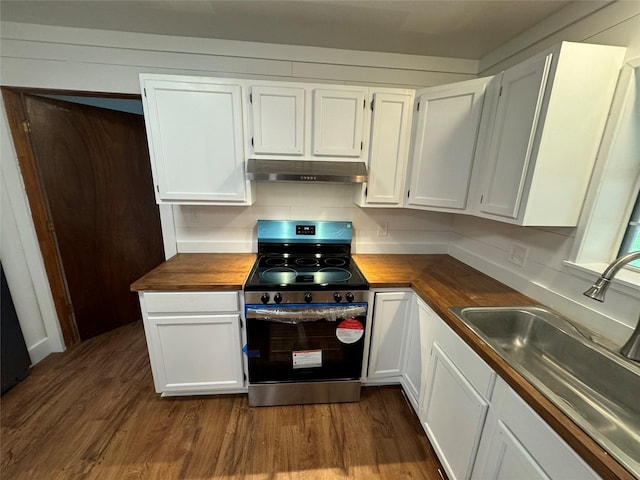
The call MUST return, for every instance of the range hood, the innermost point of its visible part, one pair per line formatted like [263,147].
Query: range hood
[306,171]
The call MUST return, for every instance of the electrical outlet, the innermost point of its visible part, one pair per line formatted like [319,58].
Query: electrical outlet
[382,230]
[518,255]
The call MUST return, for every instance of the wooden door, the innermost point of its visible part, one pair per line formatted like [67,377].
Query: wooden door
[94,170]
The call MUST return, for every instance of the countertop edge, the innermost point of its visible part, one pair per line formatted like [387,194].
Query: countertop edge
[587,448]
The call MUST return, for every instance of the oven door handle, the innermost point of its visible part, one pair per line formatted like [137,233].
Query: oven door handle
[294,315]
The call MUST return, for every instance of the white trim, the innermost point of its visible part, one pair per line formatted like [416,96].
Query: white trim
[37,276]
[233,48]
[39,351]
[572,13]
[167,223]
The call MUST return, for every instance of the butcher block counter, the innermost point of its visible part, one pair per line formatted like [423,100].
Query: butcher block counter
[440,280]
[198,272]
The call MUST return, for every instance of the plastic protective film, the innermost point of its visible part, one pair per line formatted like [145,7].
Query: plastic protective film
[294,315]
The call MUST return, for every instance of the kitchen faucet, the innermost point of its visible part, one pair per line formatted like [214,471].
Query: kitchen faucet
[631,349]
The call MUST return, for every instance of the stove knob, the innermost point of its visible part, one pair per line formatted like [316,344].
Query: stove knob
[349,297]
[277,297]
[308,297]
[265,298]
[337,297]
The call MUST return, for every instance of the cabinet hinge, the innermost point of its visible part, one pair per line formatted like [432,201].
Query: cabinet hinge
[372,102]
[26,127]
[251,98]
[50,226]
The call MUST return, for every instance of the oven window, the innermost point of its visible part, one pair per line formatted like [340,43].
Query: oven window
[310,350]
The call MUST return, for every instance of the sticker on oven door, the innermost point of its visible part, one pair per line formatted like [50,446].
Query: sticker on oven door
[307,358]
[350,331]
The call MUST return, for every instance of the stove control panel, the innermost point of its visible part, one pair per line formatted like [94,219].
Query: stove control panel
[314,297]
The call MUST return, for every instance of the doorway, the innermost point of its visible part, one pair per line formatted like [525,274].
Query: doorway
[88,180]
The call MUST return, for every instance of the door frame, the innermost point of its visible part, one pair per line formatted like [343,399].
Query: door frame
[19,128]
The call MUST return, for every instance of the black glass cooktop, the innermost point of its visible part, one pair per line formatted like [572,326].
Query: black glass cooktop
[305,272]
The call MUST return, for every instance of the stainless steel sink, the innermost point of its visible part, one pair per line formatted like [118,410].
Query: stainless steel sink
[597,388]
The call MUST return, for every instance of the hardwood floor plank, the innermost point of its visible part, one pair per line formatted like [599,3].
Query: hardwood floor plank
[92,413]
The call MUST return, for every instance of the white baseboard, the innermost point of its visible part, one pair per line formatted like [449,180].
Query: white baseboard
[39,350]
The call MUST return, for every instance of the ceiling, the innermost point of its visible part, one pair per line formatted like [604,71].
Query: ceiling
[450,28]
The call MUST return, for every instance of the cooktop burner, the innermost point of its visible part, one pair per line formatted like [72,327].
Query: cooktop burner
[304,273]
[304,256]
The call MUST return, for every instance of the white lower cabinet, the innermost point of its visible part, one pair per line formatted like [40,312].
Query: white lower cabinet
[194,341]
[391,318]
[455,401]
[518,444]
[478,426]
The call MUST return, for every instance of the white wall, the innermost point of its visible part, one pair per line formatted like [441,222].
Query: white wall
[91,60]
[485,244]
[206,229]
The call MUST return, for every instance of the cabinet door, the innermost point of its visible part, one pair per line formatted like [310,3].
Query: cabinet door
[277,120]
[412,371]
[444,145]
[389,149]
[391,317]
[508,459]
[511,143]
[195,353]
[453,415]
[517,443]
[195,137]
[338,120]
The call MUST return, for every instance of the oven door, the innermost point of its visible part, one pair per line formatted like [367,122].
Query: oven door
[297,343]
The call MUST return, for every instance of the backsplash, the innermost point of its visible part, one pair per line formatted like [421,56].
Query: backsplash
[376,230]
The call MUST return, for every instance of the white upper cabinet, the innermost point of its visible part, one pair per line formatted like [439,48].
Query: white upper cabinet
[521,91]
[303,121]
[338,120]
[277,120]
[444,145]
[389,148]
[543,129]
[194,128]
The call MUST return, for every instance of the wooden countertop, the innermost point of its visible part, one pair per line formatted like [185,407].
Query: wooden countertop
[198,271]
[440,280]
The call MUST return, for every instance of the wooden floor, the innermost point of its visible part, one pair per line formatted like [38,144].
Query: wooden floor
[92,413]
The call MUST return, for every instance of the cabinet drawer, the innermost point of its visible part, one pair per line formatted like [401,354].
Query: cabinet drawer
[186,302]
[474,369]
